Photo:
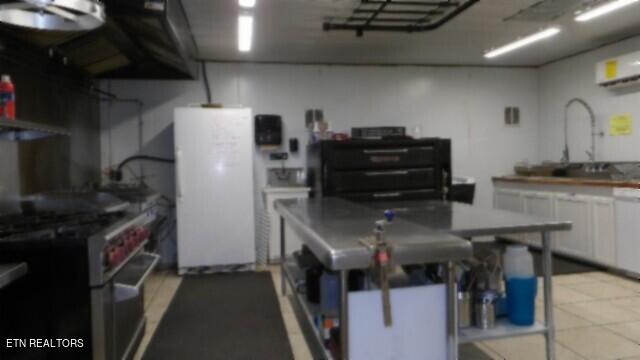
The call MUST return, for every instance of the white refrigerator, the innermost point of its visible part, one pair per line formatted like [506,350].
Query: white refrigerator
[214,188]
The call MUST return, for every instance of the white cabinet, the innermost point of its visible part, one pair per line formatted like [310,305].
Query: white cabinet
[537,204]
[271,194]
[509,200]
[603,230]
[577,209]
[599,223]
[627,204]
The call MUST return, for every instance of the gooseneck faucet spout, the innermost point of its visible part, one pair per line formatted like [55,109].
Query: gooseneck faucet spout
[592,153]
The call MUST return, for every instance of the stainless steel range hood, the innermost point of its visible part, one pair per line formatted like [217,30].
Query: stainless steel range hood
[141,39]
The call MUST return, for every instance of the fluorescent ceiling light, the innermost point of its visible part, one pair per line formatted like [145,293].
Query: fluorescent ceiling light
[603,9]
[247,3]
[245,32]
[544,34]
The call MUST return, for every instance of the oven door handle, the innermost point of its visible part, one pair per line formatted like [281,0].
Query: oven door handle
[386,151]
[155,258]
[387,173]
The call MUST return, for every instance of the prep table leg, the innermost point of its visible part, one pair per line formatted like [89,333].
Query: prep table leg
[282,257]
[452,311]
[344,314]
[548,298]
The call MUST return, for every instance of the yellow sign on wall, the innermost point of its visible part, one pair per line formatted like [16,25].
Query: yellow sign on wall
[611,69]
[621,125]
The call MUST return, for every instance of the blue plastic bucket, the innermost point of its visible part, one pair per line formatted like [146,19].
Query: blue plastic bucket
[521,300]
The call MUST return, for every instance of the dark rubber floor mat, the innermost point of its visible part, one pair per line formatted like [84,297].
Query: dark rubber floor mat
[222,316]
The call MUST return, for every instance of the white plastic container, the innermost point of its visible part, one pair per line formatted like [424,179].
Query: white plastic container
[518,262]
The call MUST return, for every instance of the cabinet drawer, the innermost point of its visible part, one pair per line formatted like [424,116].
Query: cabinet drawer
[377,180]
[386,157]
[422,194]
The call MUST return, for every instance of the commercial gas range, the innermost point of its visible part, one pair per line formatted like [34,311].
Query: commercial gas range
[83,297]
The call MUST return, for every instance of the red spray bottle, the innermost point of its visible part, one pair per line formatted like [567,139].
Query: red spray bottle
[7,98]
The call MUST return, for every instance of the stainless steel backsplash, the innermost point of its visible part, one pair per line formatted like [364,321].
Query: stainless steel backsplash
[48,93]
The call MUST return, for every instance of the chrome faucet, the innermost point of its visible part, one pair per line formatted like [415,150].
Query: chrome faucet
[592,153]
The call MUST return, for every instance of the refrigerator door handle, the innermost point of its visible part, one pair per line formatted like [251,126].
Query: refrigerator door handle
[180,177]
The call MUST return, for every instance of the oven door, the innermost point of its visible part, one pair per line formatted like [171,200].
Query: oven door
[120,326]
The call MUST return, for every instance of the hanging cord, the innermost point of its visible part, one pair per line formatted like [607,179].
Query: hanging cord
[205,79]
[116,174]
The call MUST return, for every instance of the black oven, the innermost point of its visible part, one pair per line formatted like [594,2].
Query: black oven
[370,170]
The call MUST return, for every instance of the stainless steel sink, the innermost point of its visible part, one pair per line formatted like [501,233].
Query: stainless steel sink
[605,170]
[586,170]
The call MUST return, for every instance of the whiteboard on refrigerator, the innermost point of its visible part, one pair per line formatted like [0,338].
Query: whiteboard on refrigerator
[214,187]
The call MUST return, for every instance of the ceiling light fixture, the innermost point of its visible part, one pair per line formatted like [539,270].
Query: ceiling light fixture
[247,3]
[245,32]
[541,35]
[603,9]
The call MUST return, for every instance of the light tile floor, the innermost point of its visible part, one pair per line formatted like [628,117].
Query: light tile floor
[597,317]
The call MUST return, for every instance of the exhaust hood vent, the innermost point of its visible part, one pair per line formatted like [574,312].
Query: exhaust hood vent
[59,15]
[141,39]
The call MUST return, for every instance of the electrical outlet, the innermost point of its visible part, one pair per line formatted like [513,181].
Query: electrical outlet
[512,116]
[279,156]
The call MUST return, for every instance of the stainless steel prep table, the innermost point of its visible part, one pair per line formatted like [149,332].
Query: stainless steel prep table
[424,233]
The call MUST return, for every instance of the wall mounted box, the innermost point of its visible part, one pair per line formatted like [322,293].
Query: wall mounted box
[293,145]
[268,130]
[619,71]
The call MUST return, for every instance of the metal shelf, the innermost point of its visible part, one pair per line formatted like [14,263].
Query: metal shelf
[11,272]
[503,329]
[305,311]
[18,130]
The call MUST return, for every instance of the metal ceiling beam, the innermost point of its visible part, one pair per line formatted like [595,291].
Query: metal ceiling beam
[388,20]
[414,3]
[401,12]
[409,28]
[383,5]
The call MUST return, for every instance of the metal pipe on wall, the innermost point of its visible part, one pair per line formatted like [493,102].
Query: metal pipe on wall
[111,98]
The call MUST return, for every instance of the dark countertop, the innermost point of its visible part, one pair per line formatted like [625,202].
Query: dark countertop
[549,180]
[11,272]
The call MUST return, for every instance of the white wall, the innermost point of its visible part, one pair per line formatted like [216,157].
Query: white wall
[575,77]
[464,104]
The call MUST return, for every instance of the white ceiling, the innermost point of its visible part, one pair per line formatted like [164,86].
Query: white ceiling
[291,31]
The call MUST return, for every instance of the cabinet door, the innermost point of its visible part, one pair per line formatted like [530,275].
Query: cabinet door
[509,200]
[627,232]
[574,208]
[537,204]
[603,230]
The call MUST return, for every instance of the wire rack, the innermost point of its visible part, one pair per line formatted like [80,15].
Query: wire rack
[399,15]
